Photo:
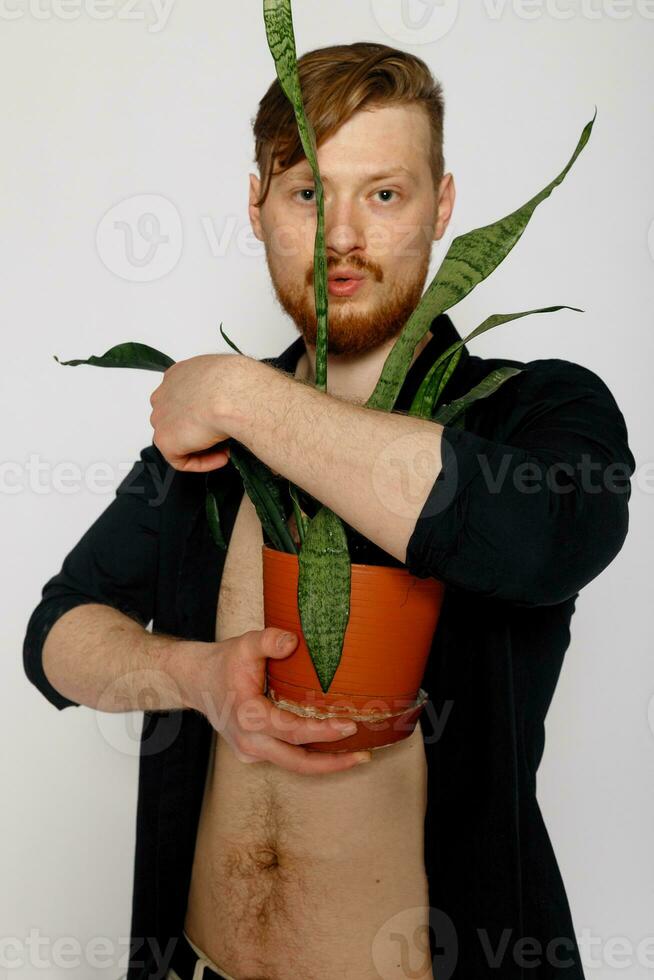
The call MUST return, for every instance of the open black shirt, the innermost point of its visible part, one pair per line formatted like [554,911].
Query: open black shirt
[530,505]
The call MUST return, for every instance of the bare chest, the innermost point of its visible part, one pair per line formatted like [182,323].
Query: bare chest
[317,876]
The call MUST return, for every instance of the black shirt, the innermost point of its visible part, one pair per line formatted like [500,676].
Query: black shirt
[530,505]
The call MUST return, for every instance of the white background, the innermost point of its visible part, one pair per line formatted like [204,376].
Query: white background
[158,102]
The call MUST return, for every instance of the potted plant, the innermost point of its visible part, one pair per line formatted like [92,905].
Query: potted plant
[365,629]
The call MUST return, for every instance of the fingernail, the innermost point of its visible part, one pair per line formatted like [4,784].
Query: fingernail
[363,758]
[285,640]
[347,727]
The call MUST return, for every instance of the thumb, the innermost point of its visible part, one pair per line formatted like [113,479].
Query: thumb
[279,643]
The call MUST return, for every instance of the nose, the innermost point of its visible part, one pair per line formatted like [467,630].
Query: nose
[344,226]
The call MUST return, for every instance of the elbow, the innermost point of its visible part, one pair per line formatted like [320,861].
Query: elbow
[574,551]
[36,633]
[530,551]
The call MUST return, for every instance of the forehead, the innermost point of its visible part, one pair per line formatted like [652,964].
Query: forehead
[374,142]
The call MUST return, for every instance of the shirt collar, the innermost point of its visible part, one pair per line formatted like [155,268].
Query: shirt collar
[444,334]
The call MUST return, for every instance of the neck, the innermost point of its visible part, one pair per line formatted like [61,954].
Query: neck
[352,377]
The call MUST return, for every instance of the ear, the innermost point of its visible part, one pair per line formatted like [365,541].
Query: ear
[446,198]
[254,211]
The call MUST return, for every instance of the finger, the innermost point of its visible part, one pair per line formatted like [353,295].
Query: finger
[258,715]
[264,717]
[205,462]
[305,762]
[269,642]
[243,756]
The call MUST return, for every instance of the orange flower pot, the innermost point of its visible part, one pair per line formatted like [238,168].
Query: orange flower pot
[393,615]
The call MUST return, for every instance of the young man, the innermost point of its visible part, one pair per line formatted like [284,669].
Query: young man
[254,856]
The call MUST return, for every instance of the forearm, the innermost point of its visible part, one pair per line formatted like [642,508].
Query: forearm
[97,656]
[374,469]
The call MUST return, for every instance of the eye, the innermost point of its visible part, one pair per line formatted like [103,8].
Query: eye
[305,190]
[386,190]
[311,190]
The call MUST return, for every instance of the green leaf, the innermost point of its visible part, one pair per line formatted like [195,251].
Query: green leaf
[301,519]
[213,517]
[324,592]
[324,577]
[449,413]
[470,259]
[128,355]
[432,385]
[263,491]
[230,342]
[278,19]
[450,367]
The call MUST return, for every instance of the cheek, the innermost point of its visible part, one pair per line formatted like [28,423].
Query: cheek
[399,237]
[412,237]
[287,246]
[289,243]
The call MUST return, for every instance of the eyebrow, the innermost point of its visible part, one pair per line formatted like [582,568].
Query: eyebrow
[395,171]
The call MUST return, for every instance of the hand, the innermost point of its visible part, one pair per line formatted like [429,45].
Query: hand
[187,419]
[230,692]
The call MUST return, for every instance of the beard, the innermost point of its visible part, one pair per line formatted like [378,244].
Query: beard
[352,330]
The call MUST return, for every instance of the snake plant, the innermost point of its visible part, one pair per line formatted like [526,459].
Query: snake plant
[324,562]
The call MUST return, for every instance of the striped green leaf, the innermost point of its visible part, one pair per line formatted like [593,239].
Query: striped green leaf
[448,414]
[450,367]
[471,258]
[323,593]
[278,19]
[263,490]
[432,385]
[301,519]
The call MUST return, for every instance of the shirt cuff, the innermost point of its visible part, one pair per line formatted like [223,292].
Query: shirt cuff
[440,521]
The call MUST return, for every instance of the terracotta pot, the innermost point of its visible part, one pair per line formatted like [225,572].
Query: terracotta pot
[393,615]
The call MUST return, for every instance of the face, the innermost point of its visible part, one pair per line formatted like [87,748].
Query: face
[382,213]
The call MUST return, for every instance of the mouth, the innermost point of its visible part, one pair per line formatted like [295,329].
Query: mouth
[345,285]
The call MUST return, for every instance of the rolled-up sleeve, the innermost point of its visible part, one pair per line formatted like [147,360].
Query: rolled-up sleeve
[114,563]
[534,518]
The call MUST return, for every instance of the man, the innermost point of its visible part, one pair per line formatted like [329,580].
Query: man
[255,857]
